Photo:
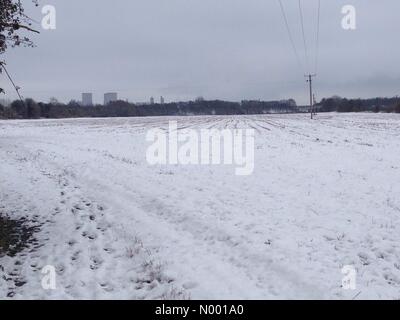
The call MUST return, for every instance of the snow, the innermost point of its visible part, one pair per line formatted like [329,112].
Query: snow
[324,194]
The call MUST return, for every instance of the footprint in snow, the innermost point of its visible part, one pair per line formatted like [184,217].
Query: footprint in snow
[89,235]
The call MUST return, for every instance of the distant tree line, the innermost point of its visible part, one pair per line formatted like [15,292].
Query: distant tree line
[359,105]
[29,109]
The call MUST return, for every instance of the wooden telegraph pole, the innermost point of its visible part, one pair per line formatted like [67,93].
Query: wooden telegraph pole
[309,80]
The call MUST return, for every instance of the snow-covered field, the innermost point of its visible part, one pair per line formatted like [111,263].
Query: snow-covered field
[324,194]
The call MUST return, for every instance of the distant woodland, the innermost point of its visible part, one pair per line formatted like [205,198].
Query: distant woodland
[30,109]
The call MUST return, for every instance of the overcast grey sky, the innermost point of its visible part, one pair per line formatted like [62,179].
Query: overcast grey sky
[226,49]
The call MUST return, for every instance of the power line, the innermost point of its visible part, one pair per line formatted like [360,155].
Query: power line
[2,65]
[317,40]
[309,76]
[290,35]
[304,34]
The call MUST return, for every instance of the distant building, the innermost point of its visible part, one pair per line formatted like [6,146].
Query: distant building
[151,100]
[110,97]
[87,99]
[162,101]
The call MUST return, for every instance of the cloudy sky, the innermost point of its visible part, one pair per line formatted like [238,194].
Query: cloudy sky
[225,49]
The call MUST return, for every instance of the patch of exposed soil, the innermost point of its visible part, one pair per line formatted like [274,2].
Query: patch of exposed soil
[15,235]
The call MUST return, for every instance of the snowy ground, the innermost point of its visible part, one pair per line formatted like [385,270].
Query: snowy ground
[323,194]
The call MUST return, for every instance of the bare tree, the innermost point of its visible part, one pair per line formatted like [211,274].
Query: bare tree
[13,20]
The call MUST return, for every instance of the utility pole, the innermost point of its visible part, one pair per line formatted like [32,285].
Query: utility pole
[309,80]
